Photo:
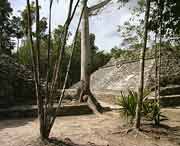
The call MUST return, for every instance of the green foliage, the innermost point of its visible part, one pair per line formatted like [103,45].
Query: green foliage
[6,44]
[128,102]
[124,54]
[166,10]
[23,55]
[150,110]
[24,16]
[130,54]
[99,58]
[169,12]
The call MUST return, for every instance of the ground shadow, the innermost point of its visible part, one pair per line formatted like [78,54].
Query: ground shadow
[59,142]
[174,134]
[163,131]
[68,142]
[12,123]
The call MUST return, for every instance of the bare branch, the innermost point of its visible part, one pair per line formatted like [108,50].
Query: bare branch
[98,6]
[72,15]
[67,72]
[61,54]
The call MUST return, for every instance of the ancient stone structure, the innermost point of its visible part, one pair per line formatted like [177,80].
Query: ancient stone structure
[120,76]
[16,84]
[124,74]
[17,88]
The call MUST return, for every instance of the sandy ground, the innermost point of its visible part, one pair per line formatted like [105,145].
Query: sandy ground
[98,129]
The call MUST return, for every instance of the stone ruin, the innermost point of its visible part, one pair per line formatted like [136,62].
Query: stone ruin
[121,75]
[16,84]
[17,87]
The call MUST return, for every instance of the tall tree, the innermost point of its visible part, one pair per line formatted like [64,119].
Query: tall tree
[86,61]
[142,57]
[45,108]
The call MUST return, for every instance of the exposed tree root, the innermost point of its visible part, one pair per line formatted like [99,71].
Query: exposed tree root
[87,96]
[133,131]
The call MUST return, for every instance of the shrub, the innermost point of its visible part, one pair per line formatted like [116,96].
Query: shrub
[150,109]
[128,102]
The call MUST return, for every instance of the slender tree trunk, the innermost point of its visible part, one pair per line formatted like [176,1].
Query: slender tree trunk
[40,100]
[67,74]
[44,126]
[159,61]
[58,65]
[35,60]
[60,55]
[156,68]
[1,51]
[46,116]
[142,58]
[17,44]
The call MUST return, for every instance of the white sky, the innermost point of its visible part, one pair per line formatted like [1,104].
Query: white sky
[104,25]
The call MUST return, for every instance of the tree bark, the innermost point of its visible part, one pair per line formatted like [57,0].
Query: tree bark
[67,75]
[56,73]
[40,103]
[159,61]
[53,88]
[85,53]
[46,116]
[93,10]
[142,58]
[156,68]
[86,63]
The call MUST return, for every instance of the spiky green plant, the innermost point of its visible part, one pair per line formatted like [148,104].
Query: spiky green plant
[128,102]
[150,109]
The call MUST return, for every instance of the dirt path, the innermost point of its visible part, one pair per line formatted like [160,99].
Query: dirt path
[89,128]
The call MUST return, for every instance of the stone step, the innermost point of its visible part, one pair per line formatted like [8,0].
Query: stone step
[170,90]
[31,111]
[168,100]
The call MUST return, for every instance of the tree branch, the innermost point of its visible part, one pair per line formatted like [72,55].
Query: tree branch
[67,73]
[98,6]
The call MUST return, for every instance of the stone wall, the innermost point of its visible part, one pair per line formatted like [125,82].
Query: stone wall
[123,75]
[16,85]
[120,76]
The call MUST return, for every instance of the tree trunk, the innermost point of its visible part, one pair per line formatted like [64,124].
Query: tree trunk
[85,54]
[40,102]
[86,64]
[156,68]
[142,57]
[159,61]
[17,44]
[53,88]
